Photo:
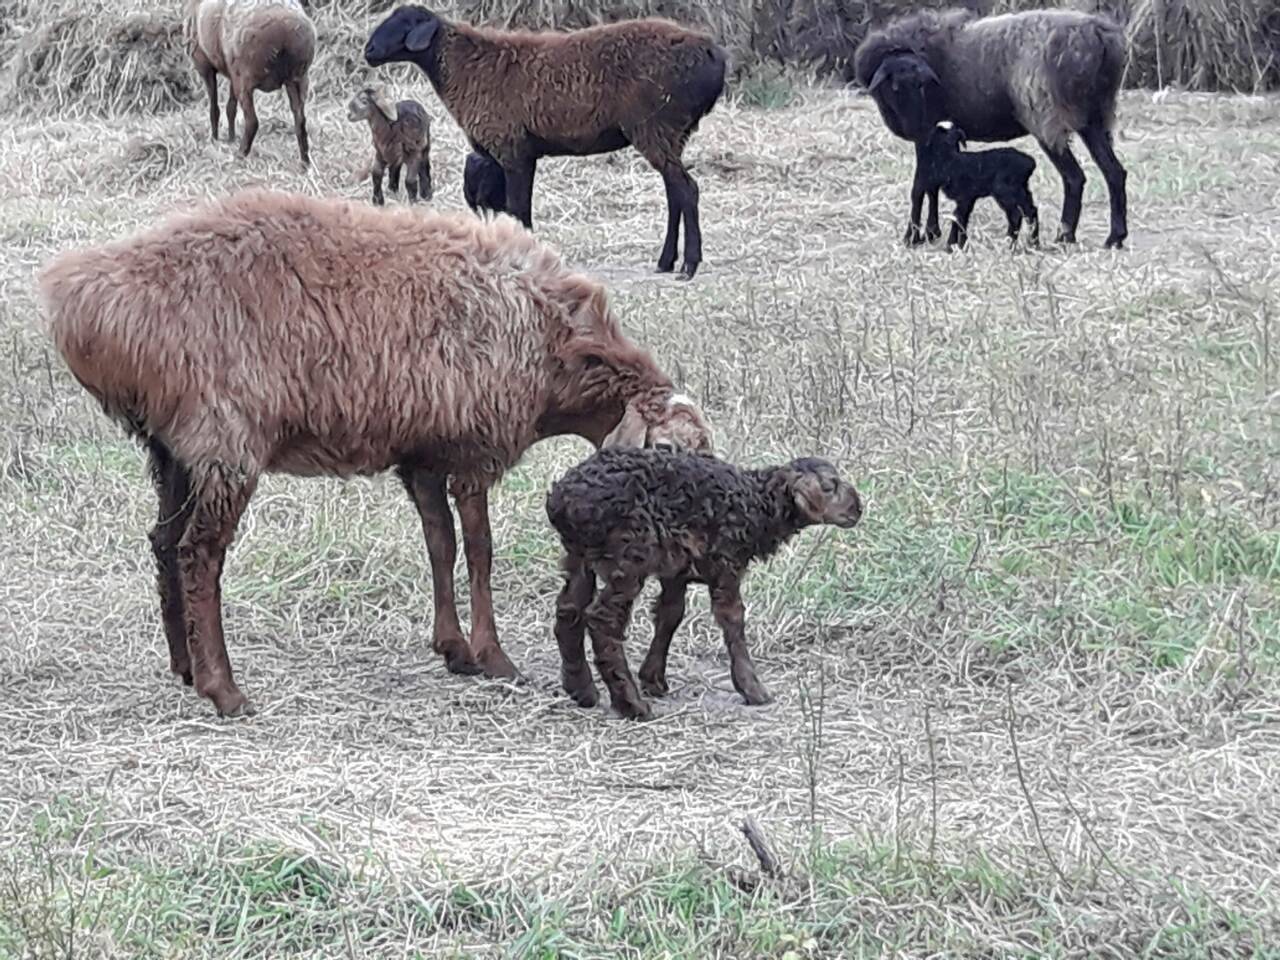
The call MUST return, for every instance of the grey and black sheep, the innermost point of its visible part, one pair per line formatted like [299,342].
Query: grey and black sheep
[257,45]
[683,517]
[519,96]
[1003,174]
[1047,73]
[401,139]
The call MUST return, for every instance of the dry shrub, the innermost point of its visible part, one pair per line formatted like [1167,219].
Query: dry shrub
[96,58]
[1205,44]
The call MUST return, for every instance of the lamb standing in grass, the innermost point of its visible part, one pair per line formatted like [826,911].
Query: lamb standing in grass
[683,517]
[401,138]
[1003,174]
[257,45]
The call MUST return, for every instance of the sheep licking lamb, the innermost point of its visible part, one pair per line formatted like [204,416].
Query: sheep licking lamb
[683,517]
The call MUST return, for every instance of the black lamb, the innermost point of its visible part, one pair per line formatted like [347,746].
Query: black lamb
[625,515]
[484,185]
[1003,174]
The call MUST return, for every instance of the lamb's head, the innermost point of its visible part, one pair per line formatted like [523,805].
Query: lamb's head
[407,34]
[371,97]
[673,423]
[820,495]
[908,94]
[947,138]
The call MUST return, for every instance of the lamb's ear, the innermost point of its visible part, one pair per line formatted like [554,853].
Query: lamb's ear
[420,37]
[385,104]
[878,77]
[631,430]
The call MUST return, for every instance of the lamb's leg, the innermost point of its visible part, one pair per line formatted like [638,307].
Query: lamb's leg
[1072,189]
[173,484]
[1029,210]
[245,91]
[692,227]
[411,182]
[960,225]
[378,169]
[431,498]
[1012,216]
[607,618]
[473,510]
[393,180]
[914,237]
[520,190]
[932,229]
[425,189]
[578,590]
[297,95]
[220,495]
[210,77]
[726,605]
[668,611]
[1098,140]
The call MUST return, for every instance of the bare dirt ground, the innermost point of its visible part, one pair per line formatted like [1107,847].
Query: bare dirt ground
[1070,463]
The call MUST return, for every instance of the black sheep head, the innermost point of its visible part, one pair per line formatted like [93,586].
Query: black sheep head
[405,35]
[821,496]
[909,95]
[947,137]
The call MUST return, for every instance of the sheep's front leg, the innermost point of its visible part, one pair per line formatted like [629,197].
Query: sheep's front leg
[210,77]
[726,605]
[914,237]
[578,590]
[425,190]
[220,498]
[960,225]
[607,619]
[932,230]
[520,190]
[473,509]
[245,91]
[668,612]
[379,168]
[393,180]
[430,497]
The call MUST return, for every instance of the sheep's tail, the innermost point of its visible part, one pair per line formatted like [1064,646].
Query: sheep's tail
[98,327]
[1114,62]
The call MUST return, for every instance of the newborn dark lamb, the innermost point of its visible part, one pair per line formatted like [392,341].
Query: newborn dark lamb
[1002,174]
[684,518]
[484,185]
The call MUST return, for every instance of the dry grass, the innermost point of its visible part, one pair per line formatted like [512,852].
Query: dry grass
[1071,465]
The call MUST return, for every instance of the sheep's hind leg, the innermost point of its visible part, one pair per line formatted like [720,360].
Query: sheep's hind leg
[520,190]
[393,177]
[473,509]
[1072,189]
[210,77]
[297,93]
[173,484]
[1013,217]
[578,590]
[607,619]
[379,168]
[932,228]
[232,104]
[429,495]
[1098,140]
[960,225]
[667,258]
[692,228]
[726,605]
[425,190]
[668,612]
[245,91]
[220,495]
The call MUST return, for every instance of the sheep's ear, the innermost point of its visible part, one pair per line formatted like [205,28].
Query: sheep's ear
[878,77]
[809,497]
[420,37]
[631,430]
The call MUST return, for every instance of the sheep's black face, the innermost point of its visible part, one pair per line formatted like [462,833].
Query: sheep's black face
[821,496]
[947,138]
[405,35]
[909,96]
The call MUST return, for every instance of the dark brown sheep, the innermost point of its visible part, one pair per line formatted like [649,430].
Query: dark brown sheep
[257,45]
[270,332]
[625,515]
[1048,73]
[401,138]
[520,96]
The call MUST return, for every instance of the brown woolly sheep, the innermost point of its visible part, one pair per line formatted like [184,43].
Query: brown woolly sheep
[270,332]
[257,45]
[519,96]
[684,518]
[401,138]
[1047,73]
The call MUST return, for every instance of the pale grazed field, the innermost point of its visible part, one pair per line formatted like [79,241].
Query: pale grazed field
[1070,462]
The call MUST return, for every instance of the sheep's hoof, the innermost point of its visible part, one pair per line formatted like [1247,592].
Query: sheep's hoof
[231,703]
[184,675]
[1115,243]
[633,709]
[583,694]
[460,662]
[654,686]
[495,664]
[1065,238]
[666,267]
[757,698]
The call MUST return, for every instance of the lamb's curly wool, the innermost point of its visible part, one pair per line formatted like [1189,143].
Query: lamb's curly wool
[627,514]
[257,45]
[1048,73]
[271,332]
[519,96]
